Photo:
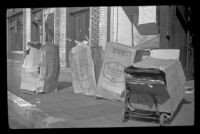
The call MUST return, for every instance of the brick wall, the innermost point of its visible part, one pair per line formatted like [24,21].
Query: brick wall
[57,26]
[63,37]
[98,30]
[94,26]
[60,31]
[98,25]
[98,35]
[103,26]
[27,26]
[60,34]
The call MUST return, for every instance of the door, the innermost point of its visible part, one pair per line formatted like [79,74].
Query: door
[165,27]
[48,26]
[81,25]
[173,35]
[174,32]
[181,39]
[36,27]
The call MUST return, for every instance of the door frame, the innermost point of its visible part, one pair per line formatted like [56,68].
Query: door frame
[44,17]
[74,12]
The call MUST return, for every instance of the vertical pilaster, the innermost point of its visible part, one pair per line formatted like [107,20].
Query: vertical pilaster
[103,26]
[62,37]
[60,34]
[26,27]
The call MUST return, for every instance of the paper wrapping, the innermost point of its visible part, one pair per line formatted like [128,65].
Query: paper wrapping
[82,66]
[111,84]
[175,79]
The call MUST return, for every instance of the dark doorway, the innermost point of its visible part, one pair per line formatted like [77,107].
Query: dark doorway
[77,27]
[36,27]
[81,24]
[49,28]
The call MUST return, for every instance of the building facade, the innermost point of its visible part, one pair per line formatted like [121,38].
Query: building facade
[15,33]
[99,24]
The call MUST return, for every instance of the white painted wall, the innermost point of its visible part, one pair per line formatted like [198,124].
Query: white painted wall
[62,37]
[103,26]
[27,26]
[121,29]
[124,28]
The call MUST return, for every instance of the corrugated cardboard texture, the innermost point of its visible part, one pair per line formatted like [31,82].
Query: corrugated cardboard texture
[111,80]
[82,66]
[175,79]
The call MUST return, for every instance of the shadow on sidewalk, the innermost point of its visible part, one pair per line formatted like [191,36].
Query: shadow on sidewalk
[63,84]
[183,102]
[168,122]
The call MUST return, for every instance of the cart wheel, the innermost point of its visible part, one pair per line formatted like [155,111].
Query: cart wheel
[125,116]
[162,119]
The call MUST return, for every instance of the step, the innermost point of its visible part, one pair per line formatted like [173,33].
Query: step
[31,115]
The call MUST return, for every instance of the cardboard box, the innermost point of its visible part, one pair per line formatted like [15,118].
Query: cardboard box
[82,66]
[111,83]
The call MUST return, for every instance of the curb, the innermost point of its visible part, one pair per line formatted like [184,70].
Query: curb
[32,116]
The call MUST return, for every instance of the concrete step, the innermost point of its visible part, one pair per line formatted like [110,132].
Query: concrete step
[30,115]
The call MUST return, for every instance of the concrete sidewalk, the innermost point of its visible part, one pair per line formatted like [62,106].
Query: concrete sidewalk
[64,109]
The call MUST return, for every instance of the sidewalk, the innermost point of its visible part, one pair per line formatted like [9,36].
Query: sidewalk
[64,109]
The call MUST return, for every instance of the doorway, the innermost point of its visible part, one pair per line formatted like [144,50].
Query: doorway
[77,27]
[81,25]
[36,26]
[48,26]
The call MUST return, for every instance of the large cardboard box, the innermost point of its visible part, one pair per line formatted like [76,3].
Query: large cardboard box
[111,83]
[40,70]
[143,85]
[50,68]
[30,81]
[82,66]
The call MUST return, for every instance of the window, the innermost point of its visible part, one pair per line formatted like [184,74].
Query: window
[16,33]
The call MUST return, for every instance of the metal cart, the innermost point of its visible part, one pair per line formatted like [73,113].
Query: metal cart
[147,95]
